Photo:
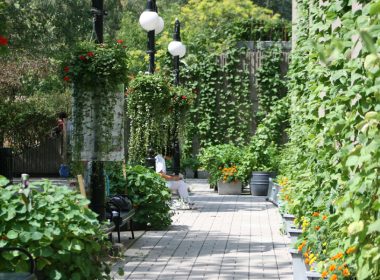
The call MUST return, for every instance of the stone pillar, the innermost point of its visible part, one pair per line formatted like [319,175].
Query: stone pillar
[294,23]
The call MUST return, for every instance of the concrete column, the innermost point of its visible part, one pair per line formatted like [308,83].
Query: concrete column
[294,23]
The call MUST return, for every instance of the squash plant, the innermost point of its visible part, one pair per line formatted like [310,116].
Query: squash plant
[52,223]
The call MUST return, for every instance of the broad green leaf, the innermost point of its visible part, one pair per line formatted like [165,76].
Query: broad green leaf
[36,235]
[12,234]
[355,227]
[375,226]
[352,160]
[368,42]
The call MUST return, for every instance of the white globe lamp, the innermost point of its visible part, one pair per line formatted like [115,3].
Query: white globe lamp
[149,20]
[160,26]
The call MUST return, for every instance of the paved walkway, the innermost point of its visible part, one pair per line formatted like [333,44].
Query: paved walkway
[226,237]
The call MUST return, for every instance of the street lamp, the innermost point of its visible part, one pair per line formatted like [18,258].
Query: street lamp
[177,50]
[153,24]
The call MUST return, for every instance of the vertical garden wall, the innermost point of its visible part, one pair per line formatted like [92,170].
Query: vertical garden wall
[333,158]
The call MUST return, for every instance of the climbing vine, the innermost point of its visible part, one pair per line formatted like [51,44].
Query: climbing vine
[269,79]
[333,158]
[217,69]
[148,107]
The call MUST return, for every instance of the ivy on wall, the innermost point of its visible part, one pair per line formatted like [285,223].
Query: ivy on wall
[333,158]
[216,67]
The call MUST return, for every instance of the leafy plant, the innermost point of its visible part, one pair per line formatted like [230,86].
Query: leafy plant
[215,158]
[332,160]
[148,104]
[53,224]
[150,197]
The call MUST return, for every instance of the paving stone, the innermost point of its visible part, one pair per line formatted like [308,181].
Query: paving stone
[226,237]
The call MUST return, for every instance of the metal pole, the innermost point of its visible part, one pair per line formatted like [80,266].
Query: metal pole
[98,192]
[151,6]
[98,12]
[150,161]
[176,155]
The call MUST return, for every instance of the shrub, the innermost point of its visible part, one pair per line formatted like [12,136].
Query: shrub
[215,158]
[53,224]
[150,196]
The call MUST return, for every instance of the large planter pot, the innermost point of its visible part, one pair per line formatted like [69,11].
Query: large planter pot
[259,183]
[299,267]
[225,188]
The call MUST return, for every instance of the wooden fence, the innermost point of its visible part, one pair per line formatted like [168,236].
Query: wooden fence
[41,161]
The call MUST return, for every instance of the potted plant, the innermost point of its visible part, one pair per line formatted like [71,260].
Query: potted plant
[229,180]
[223,163]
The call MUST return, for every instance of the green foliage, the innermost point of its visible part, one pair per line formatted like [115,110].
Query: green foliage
[212,25]
[117,182]
[96,65]
[150,197]
[333,158]
[52,223]
[3,37]
[27,121]
[216,70]
[269,80]
[264,148]
[215,158]
[191,162]
[283,7]
[148,103]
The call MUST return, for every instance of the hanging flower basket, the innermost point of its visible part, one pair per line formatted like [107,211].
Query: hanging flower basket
[97,73]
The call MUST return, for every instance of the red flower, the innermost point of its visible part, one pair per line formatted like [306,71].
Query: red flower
[119,41]
[66,69]
[184,97]
[3,41]
[82,57]
[66,78]
[90,54]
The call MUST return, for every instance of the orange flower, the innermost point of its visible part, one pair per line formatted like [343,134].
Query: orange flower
[337,256]
[351,250]
[300,248]
[346,272]
[334,277]
[324,217]
[306,255]
[324,274]
[340,267]
[332,267]
[307,261]
[317,227]
[316,214]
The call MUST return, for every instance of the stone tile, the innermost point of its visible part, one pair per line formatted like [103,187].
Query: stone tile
[226,237]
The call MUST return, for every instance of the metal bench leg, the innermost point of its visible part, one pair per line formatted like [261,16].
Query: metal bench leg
[118,233]
[131,227]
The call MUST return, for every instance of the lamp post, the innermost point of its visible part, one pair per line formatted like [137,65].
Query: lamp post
[153,24]
[97,175]
[177,50]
